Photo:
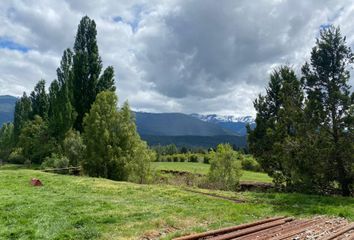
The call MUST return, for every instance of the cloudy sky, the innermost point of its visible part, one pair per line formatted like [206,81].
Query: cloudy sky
[204,56]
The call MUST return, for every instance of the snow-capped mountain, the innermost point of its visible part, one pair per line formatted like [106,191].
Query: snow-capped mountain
[223,118]
[231,123]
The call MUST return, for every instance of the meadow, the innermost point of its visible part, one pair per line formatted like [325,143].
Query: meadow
[202,168]
[70,207]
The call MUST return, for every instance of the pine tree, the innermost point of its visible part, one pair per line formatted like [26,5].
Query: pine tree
[329,102]
[279,117]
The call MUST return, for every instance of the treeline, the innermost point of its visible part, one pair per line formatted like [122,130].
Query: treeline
[170,153]
[304,134]
[77,123]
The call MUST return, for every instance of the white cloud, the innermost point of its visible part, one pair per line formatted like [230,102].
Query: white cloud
[201,56]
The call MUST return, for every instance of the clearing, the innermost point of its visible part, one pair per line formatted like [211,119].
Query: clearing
[69,207]
[202,168]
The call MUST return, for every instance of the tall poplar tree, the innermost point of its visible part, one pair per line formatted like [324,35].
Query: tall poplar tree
[39,99]
[22,114]
[87,66]
[61,111]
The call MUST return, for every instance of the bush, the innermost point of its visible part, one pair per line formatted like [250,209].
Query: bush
[139,168]
[206,159]
[182,158]
[16,156]
[55,161]
[175,158]
[193,158]
[249,163]
[225,169]
[74,147]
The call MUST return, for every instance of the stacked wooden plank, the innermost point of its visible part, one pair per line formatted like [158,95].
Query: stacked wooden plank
[283,228]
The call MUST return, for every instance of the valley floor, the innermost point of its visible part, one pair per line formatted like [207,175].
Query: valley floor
[202,168]
[69,207]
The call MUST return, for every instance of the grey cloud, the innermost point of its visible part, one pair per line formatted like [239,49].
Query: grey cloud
[189,56]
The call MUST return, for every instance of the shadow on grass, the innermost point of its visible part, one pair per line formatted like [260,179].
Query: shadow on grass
[302,204]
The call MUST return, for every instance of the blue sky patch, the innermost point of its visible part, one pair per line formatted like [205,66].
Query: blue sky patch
[9,44]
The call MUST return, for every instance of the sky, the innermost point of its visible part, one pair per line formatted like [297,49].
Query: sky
[191,56]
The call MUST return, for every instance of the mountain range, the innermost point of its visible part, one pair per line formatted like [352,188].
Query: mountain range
[7,107]
[236,125]
[191,130]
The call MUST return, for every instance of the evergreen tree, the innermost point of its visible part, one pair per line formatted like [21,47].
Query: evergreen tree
[22,114]
[39,99]
[279,118]
[329,102]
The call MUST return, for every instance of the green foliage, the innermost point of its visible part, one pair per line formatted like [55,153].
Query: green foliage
[304,131]
[35,140]
[16,156]
[74,148]
[206,159]
[329,102]
[250,163]
[61,112]
[114,149]
[106,81]
[87,66]
[193,158]
[225,168]
[22,114]
[166,150]
[6,140]
[40,101]
[55,161]
[139,168]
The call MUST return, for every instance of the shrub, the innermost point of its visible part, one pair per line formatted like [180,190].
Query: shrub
[206,159]
[55,161]
[183,158]
[74,147]
[16,156]
[249,163]
[139,168]
[193,158]
[175,158]
[225,169]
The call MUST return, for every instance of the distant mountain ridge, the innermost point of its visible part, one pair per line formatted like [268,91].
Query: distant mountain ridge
[7,108]
[236,125]
[166,128]
[176,124]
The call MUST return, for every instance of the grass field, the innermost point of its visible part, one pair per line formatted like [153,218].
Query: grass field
[202,168]
[69,207]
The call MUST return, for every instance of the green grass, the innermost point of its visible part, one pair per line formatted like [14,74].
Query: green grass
[69,207]
[202,168]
